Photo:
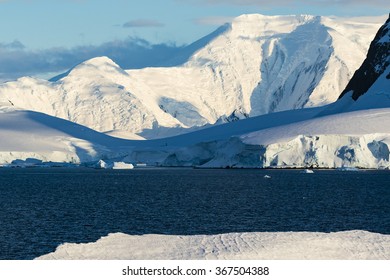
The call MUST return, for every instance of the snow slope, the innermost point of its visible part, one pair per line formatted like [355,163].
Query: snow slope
[286,139]
[28,134]
[354,245]
[254,65]
[352,139]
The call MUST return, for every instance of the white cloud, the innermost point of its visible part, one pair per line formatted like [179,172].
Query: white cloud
[15,45]
[132,53]
[137,23]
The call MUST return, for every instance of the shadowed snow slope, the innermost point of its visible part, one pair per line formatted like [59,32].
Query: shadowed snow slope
[280,246]
[254,65]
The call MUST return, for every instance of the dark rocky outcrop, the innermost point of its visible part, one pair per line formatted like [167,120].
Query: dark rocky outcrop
[378,59]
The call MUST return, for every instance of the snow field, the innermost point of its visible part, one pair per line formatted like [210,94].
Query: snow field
[351,245]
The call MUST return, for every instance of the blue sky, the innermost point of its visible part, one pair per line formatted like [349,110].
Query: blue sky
[34,33]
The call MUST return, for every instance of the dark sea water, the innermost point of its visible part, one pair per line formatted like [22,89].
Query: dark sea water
[43,208]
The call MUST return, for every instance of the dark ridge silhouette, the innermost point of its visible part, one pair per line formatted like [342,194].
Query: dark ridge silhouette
[378,58]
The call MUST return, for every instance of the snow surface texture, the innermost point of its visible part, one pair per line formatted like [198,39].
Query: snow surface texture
[279,245]
[254,65]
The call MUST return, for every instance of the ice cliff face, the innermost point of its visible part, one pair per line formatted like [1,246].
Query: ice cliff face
[252,66]
[354,139]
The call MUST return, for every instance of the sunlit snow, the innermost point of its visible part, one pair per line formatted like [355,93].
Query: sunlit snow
[261,245]
[254,65]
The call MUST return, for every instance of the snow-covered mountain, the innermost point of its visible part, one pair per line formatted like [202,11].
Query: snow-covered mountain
[347,133]
[33,135]
[252,66]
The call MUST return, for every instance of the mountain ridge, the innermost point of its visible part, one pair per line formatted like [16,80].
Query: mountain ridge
[254,65]
[344,134]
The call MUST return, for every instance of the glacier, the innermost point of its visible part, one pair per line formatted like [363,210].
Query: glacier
[284,139]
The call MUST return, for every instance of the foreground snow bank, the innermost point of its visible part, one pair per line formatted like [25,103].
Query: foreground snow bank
[277,245]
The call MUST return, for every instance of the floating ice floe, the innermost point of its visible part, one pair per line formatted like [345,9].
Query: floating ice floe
[307,171]
[101,164]
[122,165]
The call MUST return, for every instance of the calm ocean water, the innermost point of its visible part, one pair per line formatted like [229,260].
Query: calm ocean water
[42,208]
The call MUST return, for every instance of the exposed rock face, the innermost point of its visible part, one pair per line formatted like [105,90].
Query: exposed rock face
[378,59]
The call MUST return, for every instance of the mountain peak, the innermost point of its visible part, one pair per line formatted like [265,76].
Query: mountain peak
[102,66]
[100,61]
[258,25]
[261,17]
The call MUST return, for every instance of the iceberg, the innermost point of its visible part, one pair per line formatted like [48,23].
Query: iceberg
[307,171]
[122,165]
[101,164]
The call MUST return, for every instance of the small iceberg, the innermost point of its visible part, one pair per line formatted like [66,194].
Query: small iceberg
[122,165]
[101,165]
[114,165]
[267,177]
[307,171]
